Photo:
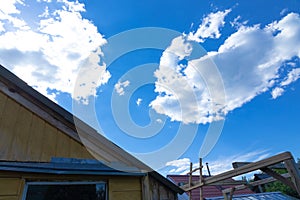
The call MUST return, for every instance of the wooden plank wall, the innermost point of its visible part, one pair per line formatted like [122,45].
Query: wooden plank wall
[159,191]
[125,188]
[11,188]
[46,118]
[24,136]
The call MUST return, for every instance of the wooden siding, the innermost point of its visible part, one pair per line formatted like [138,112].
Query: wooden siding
[159,191]
[24,136]
[44,114]
[126,188]
[11,188]
[30,131]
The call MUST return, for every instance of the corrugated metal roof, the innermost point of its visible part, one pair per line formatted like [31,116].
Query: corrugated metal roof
[259,196]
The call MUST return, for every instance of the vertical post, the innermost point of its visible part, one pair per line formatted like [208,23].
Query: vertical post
[225,196]
[190,180]
[231,193]
[201,178]
[147,194]
[208,171]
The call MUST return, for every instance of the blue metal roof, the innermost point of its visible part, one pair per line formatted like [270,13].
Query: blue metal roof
[68,166]
[73,166]
[259,196]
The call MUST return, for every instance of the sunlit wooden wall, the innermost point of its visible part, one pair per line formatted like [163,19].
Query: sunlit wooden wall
[24,136]
[11,188]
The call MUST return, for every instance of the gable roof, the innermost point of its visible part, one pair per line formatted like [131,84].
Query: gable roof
[98,145]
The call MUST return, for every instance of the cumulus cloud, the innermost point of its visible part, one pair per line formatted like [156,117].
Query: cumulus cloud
[48,50]
[248,61]
[120,86]
[210,26]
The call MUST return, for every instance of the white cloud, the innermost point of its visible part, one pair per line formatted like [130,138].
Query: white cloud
[236,22]
[73,6]
[9,15]
[284,11]
[45,14]
[160,121]
[48,1]
[120,86]
[2,27]
[210,26]
[48,50]
[249,61]
[9,7]
[222,164]
[139,101]
[180,166]
[23,41]
[276,92]
[293,76]
[178,92]
[91,76]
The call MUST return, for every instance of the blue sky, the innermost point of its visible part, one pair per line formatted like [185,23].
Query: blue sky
[168,81]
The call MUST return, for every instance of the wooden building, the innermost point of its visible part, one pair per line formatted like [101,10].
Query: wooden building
[43,157]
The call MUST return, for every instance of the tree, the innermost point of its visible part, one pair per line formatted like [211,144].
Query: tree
[279,186]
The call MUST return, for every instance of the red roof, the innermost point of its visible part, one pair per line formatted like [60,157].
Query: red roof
[208,191]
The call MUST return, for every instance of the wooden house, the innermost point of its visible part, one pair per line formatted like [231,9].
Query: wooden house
[43,157]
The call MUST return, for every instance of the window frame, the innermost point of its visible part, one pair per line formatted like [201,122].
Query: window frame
[27,184]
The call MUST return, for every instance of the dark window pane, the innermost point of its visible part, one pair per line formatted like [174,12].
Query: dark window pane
[67,192]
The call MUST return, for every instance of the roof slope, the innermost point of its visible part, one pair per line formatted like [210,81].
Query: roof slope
[98,145]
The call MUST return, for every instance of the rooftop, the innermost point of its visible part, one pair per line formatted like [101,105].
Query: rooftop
[208,191]
[66,166]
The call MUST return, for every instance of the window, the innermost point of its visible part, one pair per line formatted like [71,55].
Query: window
[65,191]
